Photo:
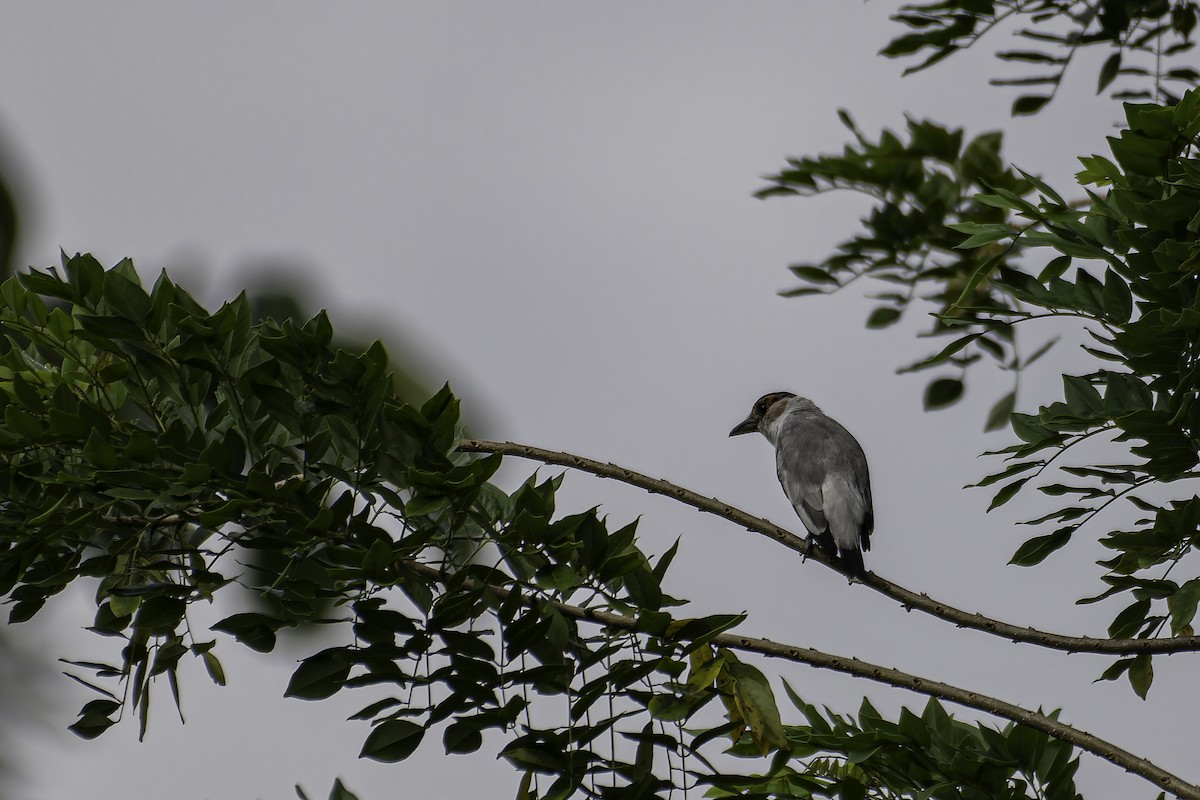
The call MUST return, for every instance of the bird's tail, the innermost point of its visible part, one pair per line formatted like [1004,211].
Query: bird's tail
[852,562]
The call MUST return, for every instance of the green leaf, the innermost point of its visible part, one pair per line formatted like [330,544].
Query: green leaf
[1115,670]
[1007,472]
[340,792]
[160,615]
[1182,605]
[1081,395]
[1055,268]
[1029,104]
[1007,492]
[319,676]
[1043,187]
[462,737]
[998,417]
[141,447]
[99,453]
[1129,620]
[943,354]
[392,740]
[669,707]
[525,785]
[1112,65]
[1036,549]
[1118,302]
[21,424]
[943,392]
[111,327]
[981,234]
[850,789]
[124,606]
[664,561]
[46,515]
[883,317]
[813,274]
[126,297]
[85,275]
[981,272]
[755,702]
[28,396]
[703,629]
[213,665]
[256,631]
[378,560]
[1141,675]
[95,719]
[67,425]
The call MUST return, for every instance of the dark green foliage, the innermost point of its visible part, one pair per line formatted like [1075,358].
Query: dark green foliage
[931,755]
[1147,37]
[929,187]
[149,445]
[933,237]
[1135,251]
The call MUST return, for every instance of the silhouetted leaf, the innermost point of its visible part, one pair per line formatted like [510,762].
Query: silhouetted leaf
[392,740]
[943,392]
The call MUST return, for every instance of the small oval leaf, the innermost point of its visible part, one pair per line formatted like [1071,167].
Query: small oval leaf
[393,740]
[943,392]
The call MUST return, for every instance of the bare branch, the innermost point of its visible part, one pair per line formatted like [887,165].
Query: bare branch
[1167,781]
[908,599]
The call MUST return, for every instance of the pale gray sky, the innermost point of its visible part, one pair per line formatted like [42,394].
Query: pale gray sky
[553,201]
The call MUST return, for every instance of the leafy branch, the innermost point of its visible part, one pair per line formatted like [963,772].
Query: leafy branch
[1048,724]
[1146,32]
[929,239]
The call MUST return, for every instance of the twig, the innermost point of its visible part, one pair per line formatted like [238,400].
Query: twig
[908,599]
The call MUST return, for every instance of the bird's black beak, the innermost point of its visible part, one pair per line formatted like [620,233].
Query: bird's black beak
[748,425]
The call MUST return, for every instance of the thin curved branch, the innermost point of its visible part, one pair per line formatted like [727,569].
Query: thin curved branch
[910,600]
[1166,781]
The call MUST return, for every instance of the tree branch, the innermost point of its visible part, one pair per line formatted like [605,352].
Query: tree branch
[1166,781]
[908,599]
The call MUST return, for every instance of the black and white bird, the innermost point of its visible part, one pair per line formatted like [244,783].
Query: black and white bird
[823,471]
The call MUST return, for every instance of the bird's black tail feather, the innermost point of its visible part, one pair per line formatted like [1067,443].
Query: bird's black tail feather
[852,562]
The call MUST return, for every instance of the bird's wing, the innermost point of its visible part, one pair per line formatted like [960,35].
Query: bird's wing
[846,509]
[868,525]
[852,464]
[802,485]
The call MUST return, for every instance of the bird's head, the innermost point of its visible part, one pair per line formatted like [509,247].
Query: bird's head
[765,411]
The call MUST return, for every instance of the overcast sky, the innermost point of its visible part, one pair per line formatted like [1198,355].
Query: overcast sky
[551,202]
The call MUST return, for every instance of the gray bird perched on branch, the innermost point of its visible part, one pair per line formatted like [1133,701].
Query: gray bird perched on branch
[823,471]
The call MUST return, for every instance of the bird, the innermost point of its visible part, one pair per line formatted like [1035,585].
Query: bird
[823,471]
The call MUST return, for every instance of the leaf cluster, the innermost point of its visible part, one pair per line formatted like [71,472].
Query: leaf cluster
[1127,265]
[155,449]
[1145,38]
[928,755]
[933,236]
